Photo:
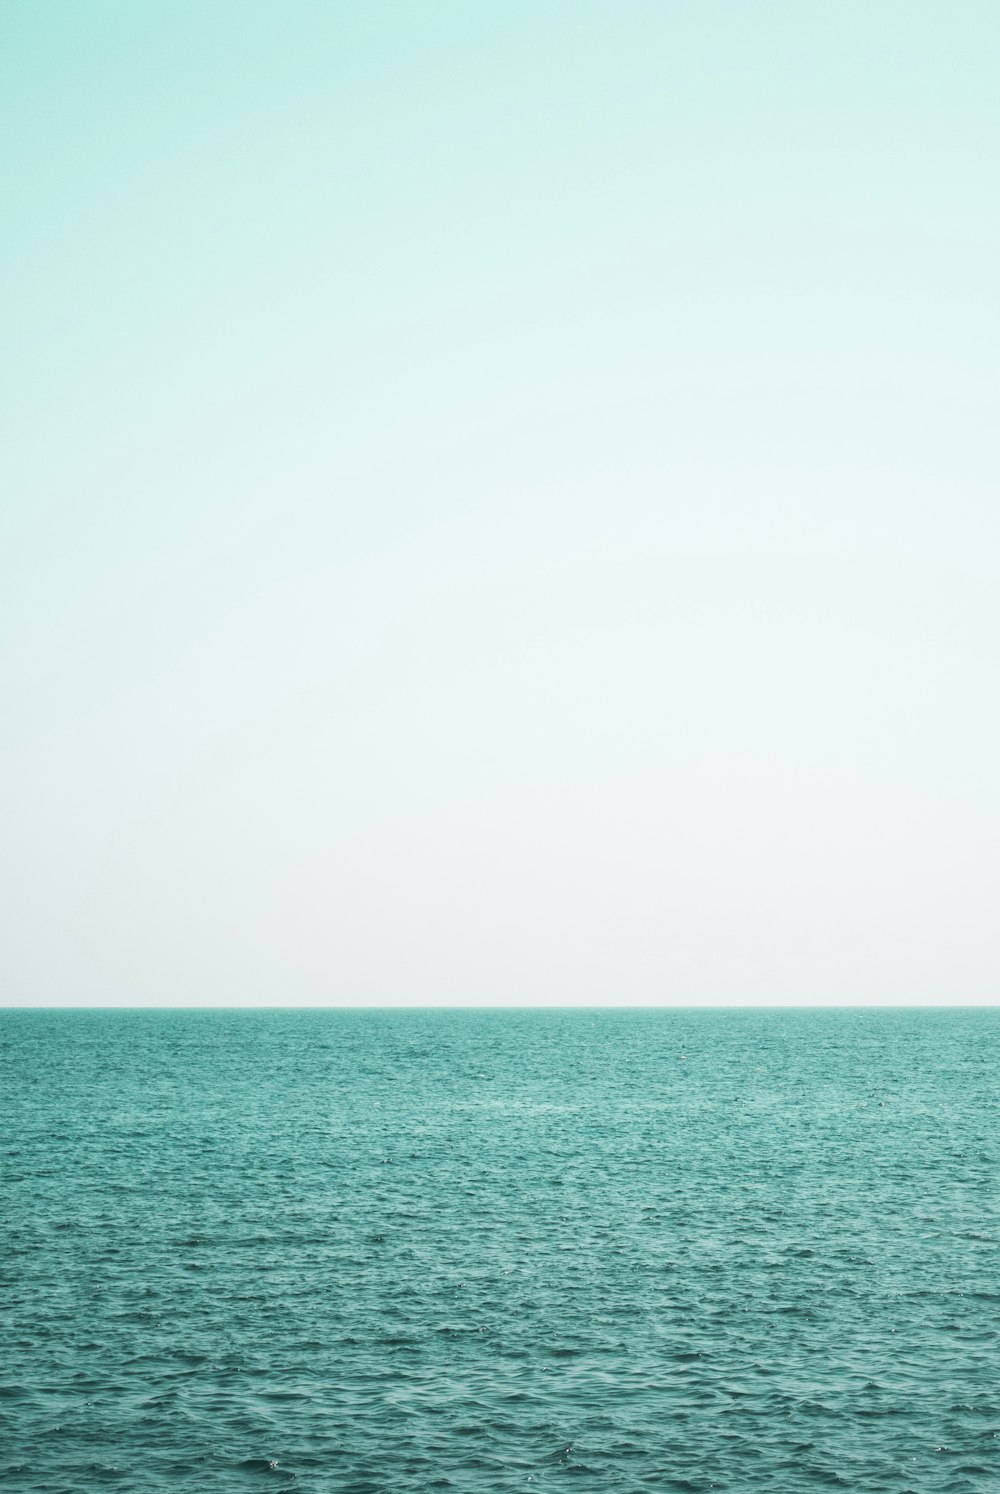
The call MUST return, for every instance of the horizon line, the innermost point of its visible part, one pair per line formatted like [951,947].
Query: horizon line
[315,1006]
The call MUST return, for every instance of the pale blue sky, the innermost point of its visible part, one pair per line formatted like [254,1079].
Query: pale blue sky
[499,502]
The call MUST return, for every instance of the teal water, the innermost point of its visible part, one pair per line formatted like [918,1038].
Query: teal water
[394,1251]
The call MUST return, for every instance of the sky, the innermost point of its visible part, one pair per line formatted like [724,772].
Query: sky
[498,502]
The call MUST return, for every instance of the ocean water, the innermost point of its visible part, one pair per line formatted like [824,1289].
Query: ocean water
[374,1252]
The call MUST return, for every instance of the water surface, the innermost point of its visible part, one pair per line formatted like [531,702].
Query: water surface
[398,1251]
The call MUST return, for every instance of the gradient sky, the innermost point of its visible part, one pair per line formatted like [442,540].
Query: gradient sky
[500,502]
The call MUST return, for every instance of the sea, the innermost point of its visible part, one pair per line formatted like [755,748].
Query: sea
[407,1250]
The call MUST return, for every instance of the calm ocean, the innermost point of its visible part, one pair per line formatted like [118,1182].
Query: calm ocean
[371,1252]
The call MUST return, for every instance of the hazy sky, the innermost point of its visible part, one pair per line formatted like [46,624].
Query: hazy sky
[500,501]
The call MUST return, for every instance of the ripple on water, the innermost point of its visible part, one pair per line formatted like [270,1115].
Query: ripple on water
[500,1251]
